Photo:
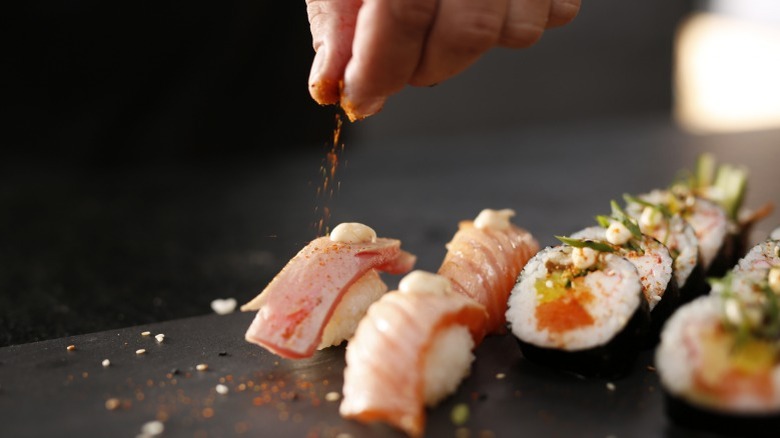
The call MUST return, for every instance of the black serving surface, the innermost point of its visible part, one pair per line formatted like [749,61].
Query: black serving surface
[94,258]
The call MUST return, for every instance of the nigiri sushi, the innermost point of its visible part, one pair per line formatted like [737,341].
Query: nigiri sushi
[411,350]
[322,293]
[484,258]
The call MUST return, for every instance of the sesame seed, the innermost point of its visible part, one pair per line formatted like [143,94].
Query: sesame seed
[500,376]
[113,404]
[71,347]
[201,367]
[222,389]
[332,396]
[106,363]
[159,337]
[610,386]
[140,351]
[146,333]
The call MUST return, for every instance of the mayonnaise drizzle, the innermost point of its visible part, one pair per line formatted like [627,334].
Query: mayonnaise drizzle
[494,219]
[353,232]
[419,281]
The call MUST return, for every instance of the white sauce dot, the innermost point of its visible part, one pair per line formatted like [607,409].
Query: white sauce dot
[421,281]
[774,280]
[618,234]
[353,232]
[650,217]
[583,258]
[494,219]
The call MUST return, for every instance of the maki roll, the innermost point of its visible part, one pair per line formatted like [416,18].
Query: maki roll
[719,357]
[410,351]
[652,259]
[762,256]
[709,222]
[724,185]
[579,310]
[319,297]
[679,237]
[484,258]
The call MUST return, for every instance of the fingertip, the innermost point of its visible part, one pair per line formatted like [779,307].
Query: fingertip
[359,110]
[563,12]
[322,89]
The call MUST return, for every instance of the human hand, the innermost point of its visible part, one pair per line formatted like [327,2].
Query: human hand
[367,50]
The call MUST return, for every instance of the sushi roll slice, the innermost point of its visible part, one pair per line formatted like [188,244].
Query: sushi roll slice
[411,350]
[762,256]
[709,222]
[679,237]
[319,297]
[719,357]
[580,310]
[484,258]
[651,258]
[724,185]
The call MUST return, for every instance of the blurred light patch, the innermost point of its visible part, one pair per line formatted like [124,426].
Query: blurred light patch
[727,67]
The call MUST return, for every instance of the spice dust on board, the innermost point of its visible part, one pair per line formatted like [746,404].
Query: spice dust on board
[327,189]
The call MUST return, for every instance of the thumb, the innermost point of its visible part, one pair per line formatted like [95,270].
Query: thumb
[332,26]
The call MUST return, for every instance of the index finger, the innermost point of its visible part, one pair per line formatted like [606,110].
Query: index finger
[388,44]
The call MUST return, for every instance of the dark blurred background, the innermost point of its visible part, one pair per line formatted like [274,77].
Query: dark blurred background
[159,155]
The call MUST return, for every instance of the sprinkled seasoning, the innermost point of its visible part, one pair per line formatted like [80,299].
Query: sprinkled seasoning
[146,333]
[222,389]
[332,396]
[201,367]
[140,351]
[460,414]
[106,363]
[71,347]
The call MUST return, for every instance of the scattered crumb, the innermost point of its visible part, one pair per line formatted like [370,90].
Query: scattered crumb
[159,337]
[332,396]
[106,363]
[140,351]
[71,347]
[113,404]
[146,333]
[222,389]
[610,386]
[153,428]
[500,376]
[224,306]
[201,367]
[343,435]
[651,368]
[460,414]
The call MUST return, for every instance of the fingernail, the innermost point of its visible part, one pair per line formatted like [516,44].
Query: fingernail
[322,90]
[361,110]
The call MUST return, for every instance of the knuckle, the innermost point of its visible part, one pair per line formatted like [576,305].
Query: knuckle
[521,35]
[414,14]
[477,33]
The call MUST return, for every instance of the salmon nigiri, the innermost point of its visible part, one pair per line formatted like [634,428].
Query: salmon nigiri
[319,297]
[484,258]
[411,350]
